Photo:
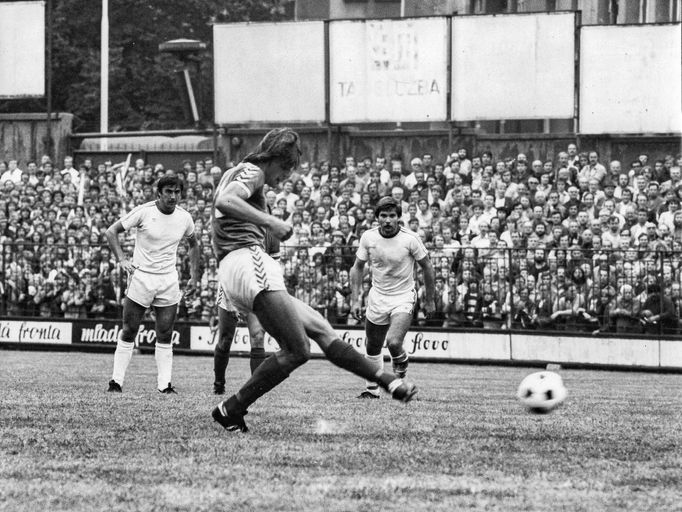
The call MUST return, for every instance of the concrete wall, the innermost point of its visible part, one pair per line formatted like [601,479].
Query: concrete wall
[317,142]
[24,136]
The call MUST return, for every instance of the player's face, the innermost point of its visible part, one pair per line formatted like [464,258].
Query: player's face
[168,198]
[388,223]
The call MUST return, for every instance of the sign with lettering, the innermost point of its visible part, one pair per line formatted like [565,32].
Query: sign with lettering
[53,333]
[107,332]
[418,344]
[388,70]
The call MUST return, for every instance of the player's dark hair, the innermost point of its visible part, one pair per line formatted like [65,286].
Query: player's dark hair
[388,203]
[168,181]
[281,144]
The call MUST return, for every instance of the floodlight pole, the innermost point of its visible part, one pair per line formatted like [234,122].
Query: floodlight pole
[48,82]
[104,76]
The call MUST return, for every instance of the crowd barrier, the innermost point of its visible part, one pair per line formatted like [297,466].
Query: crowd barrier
[473,346]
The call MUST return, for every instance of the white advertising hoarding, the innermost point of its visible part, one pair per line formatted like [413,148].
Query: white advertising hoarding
[513,67]
[269,72]
[630,79]
[388,70]
[54,333]
[22,49]
[418,344]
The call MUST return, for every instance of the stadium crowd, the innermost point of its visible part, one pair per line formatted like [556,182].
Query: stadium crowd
[570,244]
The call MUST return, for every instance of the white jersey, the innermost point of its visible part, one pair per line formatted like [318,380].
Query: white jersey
[392,259]
[158,236]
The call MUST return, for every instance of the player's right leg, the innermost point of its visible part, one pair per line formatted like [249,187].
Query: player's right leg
[255,283]
[395,337]
[132,317]
[375,334]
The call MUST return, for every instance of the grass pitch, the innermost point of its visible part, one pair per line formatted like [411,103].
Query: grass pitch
[463,444]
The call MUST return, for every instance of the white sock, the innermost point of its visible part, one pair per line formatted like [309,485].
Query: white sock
[124,351]
[377,363]
[164,364]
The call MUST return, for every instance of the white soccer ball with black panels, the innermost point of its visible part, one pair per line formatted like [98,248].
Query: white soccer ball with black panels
[541,392]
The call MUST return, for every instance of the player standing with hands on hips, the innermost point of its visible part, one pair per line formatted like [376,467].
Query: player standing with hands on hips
[254,282]
[392,252]
[152,276]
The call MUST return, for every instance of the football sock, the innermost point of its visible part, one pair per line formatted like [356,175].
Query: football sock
[164,364]
[401,358]
[377,363]
[346,357]
[268,374]
[124,351]
[258,355]
[221,358]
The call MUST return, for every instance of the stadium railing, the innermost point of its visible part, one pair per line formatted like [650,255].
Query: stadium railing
[560,290]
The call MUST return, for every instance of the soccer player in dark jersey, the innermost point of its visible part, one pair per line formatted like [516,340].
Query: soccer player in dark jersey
[254,281]
[228,318]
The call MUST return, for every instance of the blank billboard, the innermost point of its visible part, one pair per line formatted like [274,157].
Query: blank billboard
[22,49]
[513,67]
[630,79]
[269,72]
[388,70]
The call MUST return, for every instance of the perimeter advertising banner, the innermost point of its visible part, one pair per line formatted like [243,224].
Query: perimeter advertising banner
[106,332]
[19,331]
[418,344]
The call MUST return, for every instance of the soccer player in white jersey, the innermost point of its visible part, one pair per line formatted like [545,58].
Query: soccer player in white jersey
[152,276]
[392,252]
[254,282]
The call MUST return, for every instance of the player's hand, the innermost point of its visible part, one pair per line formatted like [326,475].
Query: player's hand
[280,229]
[429,308]
[356,310]
[127,266]
[191,288]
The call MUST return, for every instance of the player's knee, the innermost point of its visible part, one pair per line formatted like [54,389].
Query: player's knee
[164,336]
[128,334]
[394,343]
[300,355]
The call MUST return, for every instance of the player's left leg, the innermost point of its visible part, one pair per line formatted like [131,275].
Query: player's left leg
[163,352]
[257,337]
[400,324]
[227,325]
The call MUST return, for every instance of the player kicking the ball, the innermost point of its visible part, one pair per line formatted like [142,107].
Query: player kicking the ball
[392,252]
[254,282]
[152,276]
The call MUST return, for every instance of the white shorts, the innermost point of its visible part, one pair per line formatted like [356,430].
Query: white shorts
[245,273]
[224,302]
[381,307]
[154,289]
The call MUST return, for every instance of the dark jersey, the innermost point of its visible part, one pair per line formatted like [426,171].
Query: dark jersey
[230,234]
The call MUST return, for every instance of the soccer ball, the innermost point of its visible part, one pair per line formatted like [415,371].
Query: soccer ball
[541,392]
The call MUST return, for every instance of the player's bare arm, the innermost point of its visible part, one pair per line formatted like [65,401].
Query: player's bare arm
[112,237]
[194,257]
[356,273]
[429,284]
[232,201]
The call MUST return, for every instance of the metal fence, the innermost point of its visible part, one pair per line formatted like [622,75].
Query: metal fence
[618,291]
